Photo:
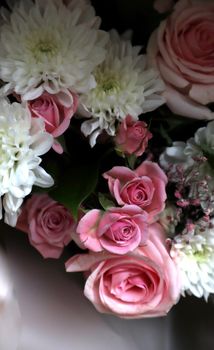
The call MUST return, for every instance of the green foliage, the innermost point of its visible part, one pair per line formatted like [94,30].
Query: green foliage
[76,185]
[105,201]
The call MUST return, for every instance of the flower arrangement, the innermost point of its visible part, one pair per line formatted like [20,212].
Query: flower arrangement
[96,155]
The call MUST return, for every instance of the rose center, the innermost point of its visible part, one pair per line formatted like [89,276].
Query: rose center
[122,231]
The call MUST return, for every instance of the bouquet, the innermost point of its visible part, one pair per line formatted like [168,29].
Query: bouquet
[97,157]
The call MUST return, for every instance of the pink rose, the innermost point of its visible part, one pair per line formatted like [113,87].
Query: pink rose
[182,50]
[49,225]
[119,230]
[145,283]
[132,137]
[57,111]
[144,187]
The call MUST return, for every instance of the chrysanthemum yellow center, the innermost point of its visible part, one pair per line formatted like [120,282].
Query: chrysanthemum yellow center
[43,47]
[107,82]
[201,256]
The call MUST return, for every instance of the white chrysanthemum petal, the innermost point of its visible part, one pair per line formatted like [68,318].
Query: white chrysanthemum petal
[20,145]
[124,86]
[46,45]
[194,255]
[174,156]
[43,179]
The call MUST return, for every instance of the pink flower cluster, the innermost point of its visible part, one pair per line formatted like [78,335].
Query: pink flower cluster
[130,272]
[143,283]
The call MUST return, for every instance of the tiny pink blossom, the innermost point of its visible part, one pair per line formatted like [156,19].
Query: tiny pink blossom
[57,111]
[119,230]
[49,225]
[144,187]
[143,283]
[132,137]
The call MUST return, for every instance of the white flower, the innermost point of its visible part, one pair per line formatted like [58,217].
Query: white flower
[194,254]
[193,153]
[203,142]
[124,87]
[191,165]
[22,141]
[175,156]
[185,154]
[169,219]
[46,45]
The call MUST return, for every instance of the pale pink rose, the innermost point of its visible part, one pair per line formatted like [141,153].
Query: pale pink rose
[118,230]
[182,50]
[144,187]
[132,137]
[49,225]
[145,283]
[57,111]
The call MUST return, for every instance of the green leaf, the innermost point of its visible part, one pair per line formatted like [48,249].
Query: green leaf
[105,201]
[131,161]
[77,184]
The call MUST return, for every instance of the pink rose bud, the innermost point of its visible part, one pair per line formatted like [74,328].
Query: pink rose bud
[132,137]
[182,50]
[144,187]
[144,283]
[49,225]
[119,230]
[57,111]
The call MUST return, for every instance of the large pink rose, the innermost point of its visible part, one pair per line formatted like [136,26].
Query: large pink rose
[49,225]
[132,137]
[145,283]
[182,49]
[119,230]
[144,187]
[57,111]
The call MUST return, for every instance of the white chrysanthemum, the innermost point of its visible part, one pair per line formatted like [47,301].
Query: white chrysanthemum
[169,219]
[195,160]
[47,45]
[124,87]
[22,140]
[194,254]
[175,156]
[181,153]
[203,142]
